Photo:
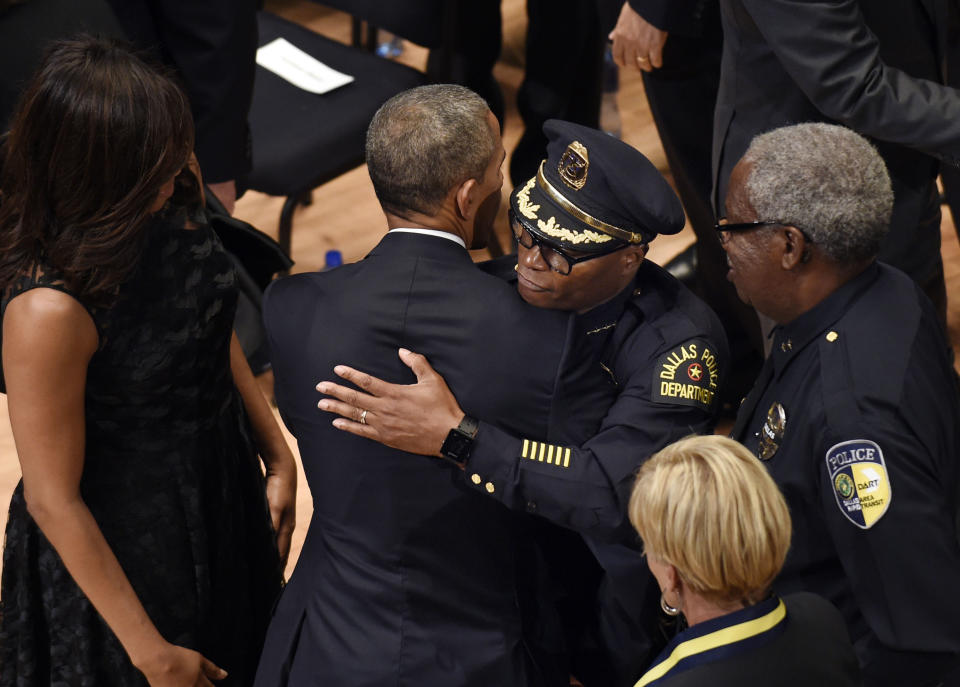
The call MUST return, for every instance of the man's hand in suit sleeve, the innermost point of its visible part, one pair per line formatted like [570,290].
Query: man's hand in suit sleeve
[410,417]
[636,42]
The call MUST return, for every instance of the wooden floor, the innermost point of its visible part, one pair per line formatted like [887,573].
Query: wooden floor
[345,215]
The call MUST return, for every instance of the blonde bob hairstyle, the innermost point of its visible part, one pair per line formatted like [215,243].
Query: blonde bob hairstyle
[706,506]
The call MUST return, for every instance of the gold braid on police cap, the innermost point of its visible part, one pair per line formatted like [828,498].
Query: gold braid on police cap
[574,211]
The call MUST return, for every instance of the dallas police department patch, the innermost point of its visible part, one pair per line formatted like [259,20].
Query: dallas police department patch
[859,479]
[687,375]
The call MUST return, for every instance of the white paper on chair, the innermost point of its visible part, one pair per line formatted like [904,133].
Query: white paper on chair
[290,62]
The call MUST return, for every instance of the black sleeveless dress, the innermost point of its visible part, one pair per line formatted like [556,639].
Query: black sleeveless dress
[170,475]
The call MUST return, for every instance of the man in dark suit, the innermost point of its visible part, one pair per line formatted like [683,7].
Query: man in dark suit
[872,66]
[406,576]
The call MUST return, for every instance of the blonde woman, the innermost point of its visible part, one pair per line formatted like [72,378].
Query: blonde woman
[716,531]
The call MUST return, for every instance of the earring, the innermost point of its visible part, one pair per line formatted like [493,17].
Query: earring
[667,608]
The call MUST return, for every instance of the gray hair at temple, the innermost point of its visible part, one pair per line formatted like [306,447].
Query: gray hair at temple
[827,181]
[425,141]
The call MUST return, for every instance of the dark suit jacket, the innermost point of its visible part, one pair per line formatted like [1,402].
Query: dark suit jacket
[674,16]
[680,17]
[407,575]
[871,66]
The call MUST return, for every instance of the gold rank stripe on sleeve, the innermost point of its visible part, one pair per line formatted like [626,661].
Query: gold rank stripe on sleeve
[546,453]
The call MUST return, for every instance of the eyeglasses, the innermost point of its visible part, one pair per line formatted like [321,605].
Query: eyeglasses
[559,261]
[722,225]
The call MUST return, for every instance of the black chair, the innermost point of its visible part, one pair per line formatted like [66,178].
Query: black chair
[302,140]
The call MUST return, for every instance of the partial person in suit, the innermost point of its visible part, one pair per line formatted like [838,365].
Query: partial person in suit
[856,413]
[949,174]
[28,26]
[213,46]
[715,532]
[562,65]
[875,67]
[656,353]
[677,46]
[561,78]
[406,575]
[469,58]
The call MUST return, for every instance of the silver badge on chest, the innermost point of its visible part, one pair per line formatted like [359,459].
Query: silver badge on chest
[771,434]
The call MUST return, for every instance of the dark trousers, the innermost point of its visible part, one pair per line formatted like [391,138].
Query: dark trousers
[565,44]
[469,60]
[682,95]
[564,57]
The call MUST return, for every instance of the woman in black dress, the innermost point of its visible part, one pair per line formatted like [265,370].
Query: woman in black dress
[139,546]
[715,532]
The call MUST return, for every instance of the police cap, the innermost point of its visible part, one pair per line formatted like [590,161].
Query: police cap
[594,193]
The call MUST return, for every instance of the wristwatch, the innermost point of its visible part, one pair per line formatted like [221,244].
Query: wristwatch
[459,441]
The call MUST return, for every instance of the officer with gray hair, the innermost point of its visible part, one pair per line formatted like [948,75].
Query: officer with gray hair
[856,413]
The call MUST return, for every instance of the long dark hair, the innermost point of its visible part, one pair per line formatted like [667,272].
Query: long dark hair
[94,138]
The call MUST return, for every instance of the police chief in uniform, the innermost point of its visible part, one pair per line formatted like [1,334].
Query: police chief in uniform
[856,410]
[656,357]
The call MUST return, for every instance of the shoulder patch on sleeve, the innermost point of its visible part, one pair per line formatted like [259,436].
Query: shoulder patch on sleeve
[688,374]
[858,477]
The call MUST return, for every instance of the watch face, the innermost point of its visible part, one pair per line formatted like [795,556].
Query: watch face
[459,441]
[457,446]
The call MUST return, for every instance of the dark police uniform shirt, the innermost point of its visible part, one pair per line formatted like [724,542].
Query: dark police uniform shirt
[797,641]
[855,415]
[661,355]
[657,356]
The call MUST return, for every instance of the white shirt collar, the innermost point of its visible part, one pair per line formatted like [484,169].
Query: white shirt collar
[431,232]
